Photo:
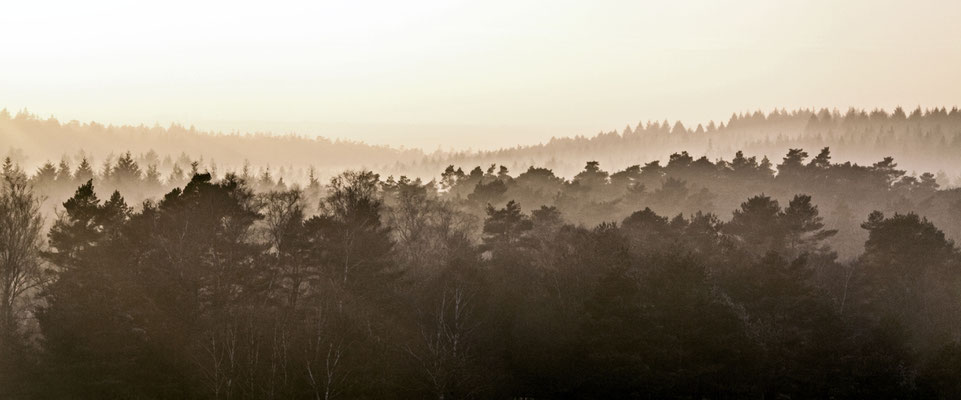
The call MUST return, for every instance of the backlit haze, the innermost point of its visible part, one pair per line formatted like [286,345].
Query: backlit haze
[463,75]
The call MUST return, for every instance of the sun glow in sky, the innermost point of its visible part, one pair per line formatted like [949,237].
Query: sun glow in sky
[478,74]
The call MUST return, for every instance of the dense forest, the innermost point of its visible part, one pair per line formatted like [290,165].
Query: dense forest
[845,192]
[798,277]
[921,140]
[32,141]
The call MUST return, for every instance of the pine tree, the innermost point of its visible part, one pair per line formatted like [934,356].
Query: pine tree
[84,171]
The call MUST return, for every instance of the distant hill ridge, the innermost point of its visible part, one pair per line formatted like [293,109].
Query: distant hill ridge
[920,140]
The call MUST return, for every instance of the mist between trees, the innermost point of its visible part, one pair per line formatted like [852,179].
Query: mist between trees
[921,140]
[805,279]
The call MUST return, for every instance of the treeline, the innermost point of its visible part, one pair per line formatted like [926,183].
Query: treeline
[402,289]
[146,176]
[922,140]
[31,140]
[684,185]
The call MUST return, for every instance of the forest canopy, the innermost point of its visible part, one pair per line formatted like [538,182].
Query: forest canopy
[794,277]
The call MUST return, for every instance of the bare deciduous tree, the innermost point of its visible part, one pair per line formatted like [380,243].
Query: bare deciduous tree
[444,349]
[22,270]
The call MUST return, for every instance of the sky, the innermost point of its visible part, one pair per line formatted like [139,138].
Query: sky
[469,75]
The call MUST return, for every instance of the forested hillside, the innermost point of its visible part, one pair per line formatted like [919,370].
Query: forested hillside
[797,276]
[456,200]
[921,140]
[33,141]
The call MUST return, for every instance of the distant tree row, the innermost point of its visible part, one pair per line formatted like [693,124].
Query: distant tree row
[145,176]
[921,140]
[30,139]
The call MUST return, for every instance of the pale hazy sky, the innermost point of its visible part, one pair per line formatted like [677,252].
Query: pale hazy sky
[478,74]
